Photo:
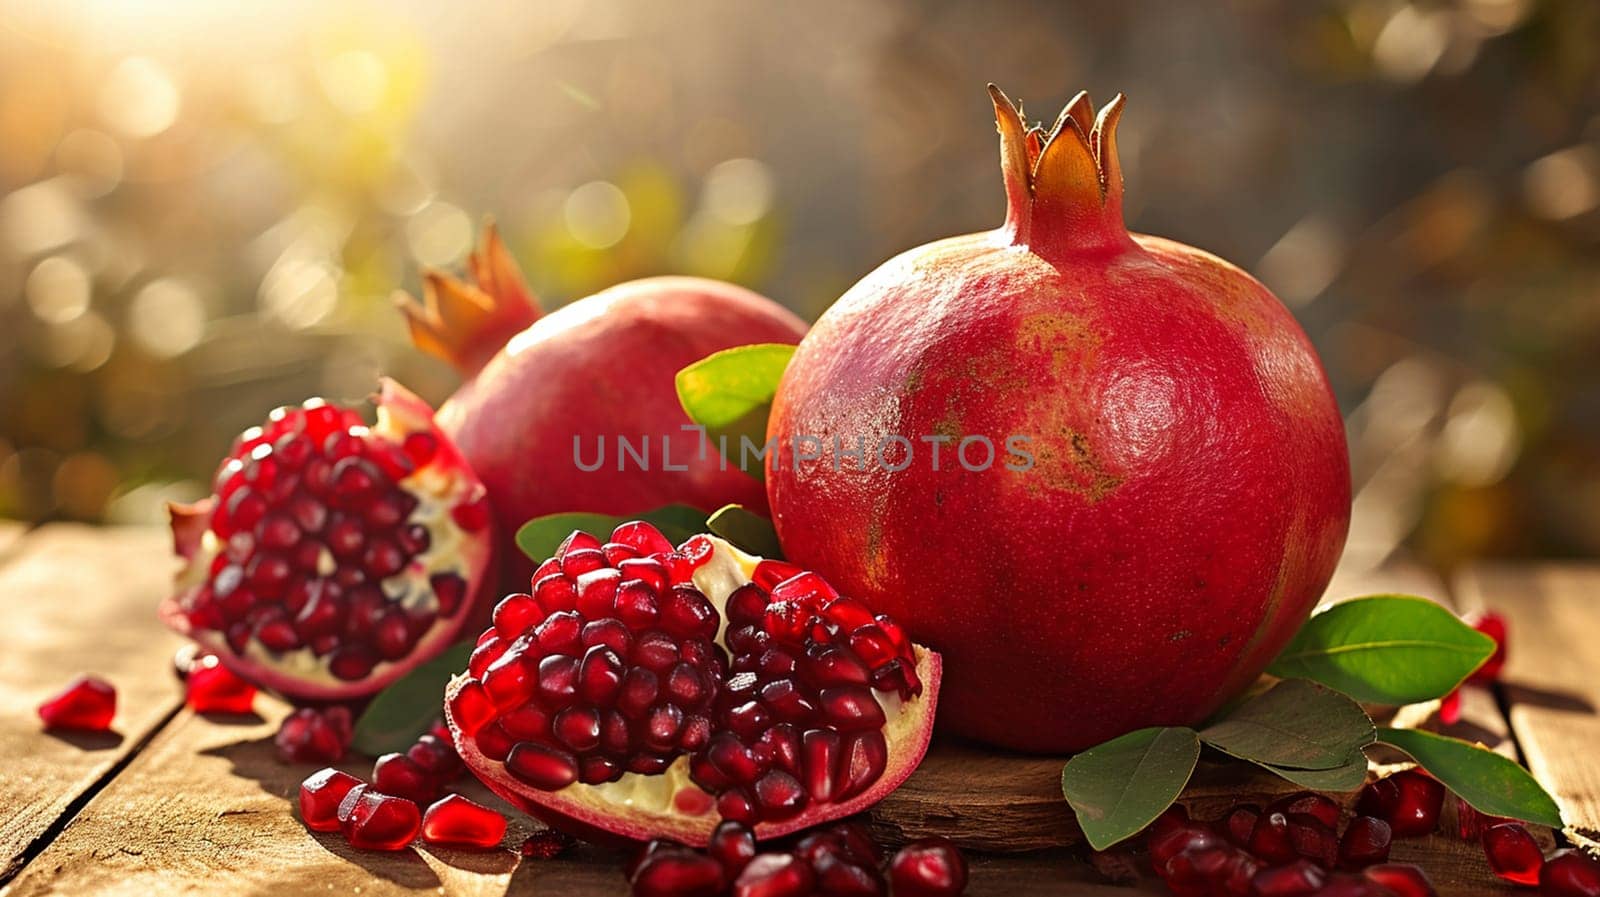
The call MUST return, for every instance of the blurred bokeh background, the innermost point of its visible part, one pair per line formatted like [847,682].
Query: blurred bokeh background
[205,207]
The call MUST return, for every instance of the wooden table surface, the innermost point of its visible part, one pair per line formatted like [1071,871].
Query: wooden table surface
[172,802]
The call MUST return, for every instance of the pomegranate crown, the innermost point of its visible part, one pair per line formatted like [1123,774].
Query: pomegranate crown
[465,322]
[1063,185]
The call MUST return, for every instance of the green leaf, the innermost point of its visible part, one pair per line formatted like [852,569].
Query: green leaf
[1346,777]
[540,537]
[1385,649]
[1494,785]
[730,394]
[1296,724]
[1119,787]
[746,529]
[408,707]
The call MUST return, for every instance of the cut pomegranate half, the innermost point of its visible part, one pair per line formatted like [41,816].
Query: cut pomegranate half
[333,557]
[650,692]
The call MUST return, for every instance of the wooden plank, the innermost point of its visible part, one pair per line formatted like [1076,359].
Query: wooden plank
[77,600]
[1552,676]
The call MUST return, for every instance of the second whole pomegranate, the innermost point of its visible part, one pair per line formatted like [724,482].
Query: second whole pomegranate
[544,391]
[1143,486]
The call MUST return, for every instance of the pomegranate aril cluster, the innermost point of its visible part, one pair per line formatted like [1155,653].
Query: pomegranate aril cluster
[800,720]
[608,666]
[1291,848]
[313,529]
[840,860]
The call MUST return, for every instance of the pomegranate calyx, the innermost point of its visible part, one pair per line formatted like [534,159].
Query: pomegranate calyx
[465,322]
[1063,185]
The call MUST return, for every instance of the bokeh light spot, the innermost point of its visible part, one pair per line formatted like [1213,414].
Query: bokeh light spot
[597,214]
[57,290]
[439,234]
[738,191]
[166,318]
[139,99]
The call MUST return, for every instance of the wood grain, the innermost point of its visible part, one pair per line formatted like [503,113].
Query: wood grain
[1552,676]
[77,600]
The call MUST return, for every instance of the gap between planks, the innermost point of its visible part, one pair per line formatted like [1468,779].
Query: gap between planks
[55,578]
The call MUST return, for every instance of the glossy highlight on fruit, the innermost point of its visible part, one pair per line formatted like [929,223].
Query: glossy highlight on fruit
[333,557]
[87,704]
[1186,487]
[320,796]
[541,387]
[648,691]
[372,820]
[932,867]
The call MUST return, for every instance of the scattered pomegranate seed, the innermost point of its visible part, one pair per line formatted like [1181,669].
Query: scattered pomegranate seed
[932,867]
[1323,807]
[455,821]
[1365,843]
[1570,873]
[1271,841]
[1409,801]
[1171,819]
[786,875]
[1470,824]
[1239,823]
[1401,879]
[213,688]
[87,704]
[672,870]
[1289,880]
[320,796]
[396,774]
[314,735]
[372,820]
[545,845]
[1513,854]
[733,845]
[1312,839]
[1175,841]
[1494,626]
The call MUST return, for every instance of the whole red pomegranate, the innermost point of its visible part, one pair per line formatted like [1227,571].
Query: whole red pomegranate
[544,393]
[1142,484]
[333,557]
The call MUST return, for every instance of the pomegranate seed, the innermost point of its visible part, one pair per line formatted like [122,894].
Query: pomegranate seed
[395,774]
[677,871]
[515,614]
[545,845]
[1513,854]
[1419,799]
[320,796]
[1195,871]
[87,704]
[1570,873]
[436,757]
[1292,879]
[1346,885]
[642,538]
[1271,840]
[1365,842]
[471,708]
[1470,824]
[543,767]
[1494,626]
[372,820]
[455,821]
[1379,798]
[213,688]
[1240,823]
[732,845]
[312,735]
[931,867]
[1324,808]
[1401,879]
[1171,819]
[1312,839]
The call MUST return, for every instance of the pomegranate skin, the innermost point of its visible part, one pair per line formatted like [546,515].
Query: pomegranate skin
[598,368]
[1189,493]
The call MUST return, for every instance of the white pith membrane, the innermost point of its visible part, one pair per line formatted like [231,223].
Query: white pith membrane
[439,486]
[669,804]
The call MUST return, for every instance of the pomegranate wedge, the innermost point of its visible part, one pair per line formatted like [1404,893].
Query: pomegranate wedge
[648,691]
[333,557]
